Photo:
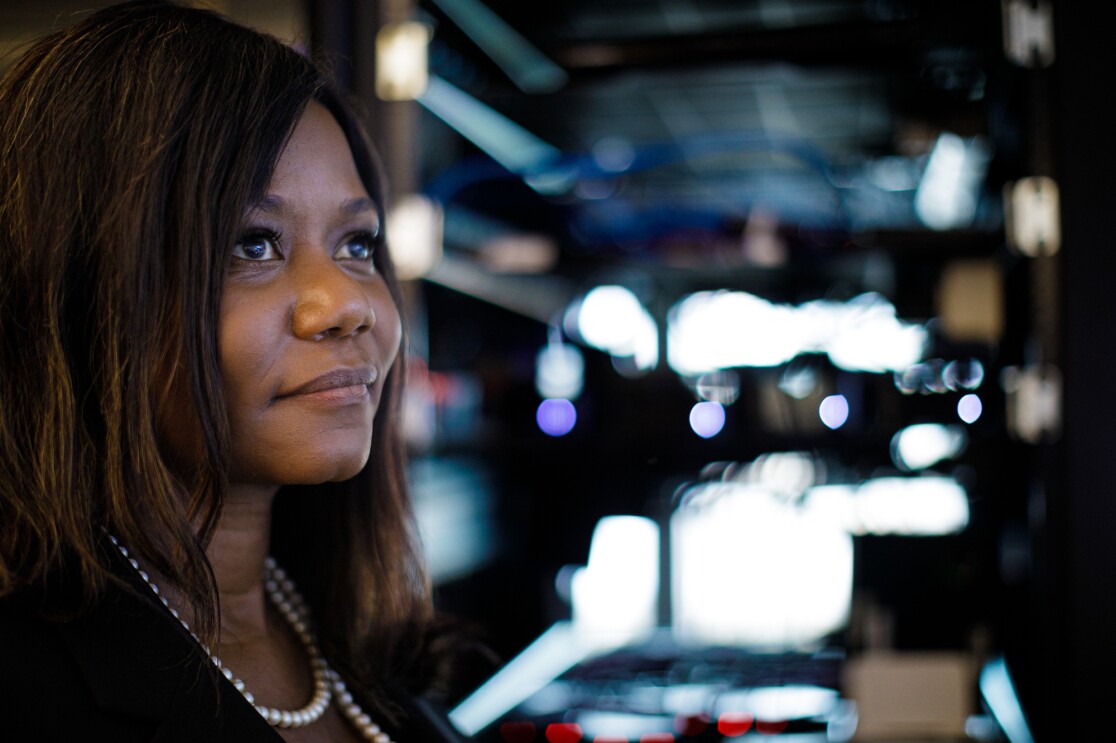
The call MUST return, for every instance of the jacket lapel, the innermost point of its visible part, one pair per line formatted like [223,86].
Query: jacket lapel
[140,662]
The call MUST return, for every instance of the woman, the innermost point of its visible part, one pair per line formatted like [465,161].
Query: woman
[199,367]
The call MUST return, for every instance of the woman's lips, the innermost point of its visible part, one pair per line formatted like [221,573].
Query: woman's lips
[338,385]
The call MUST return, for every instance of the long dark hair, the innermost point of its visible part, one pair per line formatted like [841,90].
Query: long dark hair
[130,145]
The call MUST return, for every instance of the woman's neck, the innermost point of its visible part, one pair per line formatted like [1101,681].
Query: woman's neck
[237,552]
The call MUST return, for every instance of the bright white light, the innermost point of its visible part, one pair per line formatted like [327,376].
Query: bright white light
[834,504]
[912,505]
[608,317]
[834,411]
[751,570]
[612,319]
[925,506]
[969,408]
[869,337]
[790,702]
[947,195]
[707,331]
[719,330]
[617,592]
[707,419]
[401,65]
[559,371]
[414,236]
[786,473]
[924,445]
[645,352]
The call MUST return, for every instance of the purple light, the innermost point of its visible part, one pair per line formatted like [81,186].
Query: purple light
[969,408]
[556,417]
[707,419]
[834,411]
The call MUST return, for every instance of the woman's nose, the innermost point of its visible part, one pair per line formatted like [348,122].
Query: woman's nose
[329,303]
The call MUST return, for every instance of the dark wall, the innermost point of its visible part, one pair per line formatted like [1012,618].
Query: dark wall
[1081,507]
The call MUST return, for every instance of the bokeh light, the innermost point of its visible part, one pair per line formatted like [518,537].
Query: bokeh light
[923,445]
[969,408]
[714,330]
[559,371]
[834,411]
[556,416]
[707,418]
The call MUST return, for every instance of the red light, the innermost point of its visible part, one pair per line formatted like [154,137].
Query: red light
[690,725]
[563,732]
[518,732]
[770,727]
[733,724]
[657,738]
[609,739]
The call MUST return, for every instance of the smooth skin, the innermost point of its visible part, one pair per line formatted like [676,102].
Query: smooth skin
[308,331]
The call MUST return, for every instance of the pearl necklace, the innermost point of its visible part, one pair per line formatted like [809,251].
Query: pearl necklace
[328,685]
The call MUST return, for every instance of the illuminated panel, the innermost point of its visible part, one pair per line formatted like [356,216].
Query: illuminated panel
[918,506]
[999,693]
[554,652]
[611,318]
[751,570]
[617,592]
[707,331]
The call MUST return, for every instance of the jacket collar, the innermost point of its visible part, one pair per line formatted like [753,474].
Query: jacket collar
[140,662]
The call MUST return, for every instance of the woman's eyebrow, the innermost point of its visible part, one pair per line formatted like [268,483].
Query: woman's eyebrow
[268,205]
[272,204]
[357,206]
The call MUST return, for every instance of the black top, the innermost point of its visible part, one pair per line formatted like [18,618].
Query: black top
[128,671]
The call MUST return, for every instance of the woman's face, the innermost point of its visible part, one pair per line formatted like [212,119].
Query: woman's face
[308,329]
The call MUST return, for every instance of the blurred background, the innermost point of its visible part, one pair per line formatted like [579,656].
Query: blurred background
[759,354]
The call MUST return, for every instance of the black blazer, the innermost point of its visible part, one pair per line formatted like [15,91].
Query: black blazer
[128,671]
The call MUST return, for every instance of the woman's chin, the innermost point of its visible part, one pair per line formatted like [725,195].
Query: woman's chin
[307,469]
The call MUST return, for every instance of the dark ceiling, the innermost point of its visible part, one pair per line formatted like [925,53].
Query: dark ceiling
[681,120]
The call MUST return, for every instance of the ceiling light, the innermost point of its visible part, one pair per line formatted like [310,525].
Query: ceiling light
[401,61]
[414,236]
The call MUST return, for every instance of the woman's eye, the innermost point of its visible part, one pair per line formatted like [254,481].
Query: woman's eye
[359,247]
[259,247]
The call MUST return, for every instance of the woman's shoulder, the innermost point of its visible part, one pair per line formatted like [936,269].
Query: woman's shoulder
[118,671]
[44,692]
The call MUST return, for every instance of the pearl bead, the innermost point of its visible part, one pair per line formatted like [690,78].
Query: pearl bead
[328,685]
